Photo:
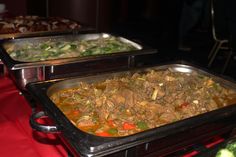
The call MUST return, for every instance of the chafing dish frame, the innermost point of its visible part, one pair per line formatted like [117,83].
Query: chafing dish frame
[83,144]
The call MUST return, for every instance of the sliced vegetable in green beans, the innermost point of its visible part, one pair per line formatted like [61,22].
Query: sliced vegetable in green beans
[48,50]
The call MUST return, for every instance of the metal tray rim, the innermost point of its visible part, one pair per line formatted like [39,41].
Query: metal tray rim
[15,65]
[140,137]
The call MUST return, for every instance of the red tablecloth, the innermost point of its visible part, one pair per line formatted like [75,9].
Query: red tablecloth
[16,136]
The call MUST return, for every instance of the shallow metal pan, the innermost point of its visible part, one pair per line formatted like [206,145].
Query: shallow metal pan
[25,72]
[154,142]
[83,29]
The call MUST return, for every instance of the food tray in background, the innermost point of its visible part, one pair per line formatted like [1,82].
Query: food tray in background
[33,26]
[153,142]
[25,71]
[22,26]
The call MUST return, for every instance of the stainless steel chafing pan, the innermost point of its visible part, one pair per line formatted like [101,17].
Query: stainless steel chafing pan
[84,29]
[154,142]
[25,72]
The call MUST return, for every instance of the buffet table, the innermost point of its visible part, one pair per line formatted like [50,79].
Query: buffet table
[16,137]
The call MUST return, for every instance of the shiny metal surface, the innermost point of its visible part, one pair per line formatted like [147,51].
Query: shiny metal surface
[1,68]
[83,29]
[41,127]
[155,142]
[26,75]
[26,72]
[70,83]
[65,38]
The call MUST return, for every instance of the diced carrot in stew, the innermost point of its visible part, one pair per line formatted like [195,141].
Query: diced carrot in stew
[103,134]
[111,123]
[183,105]
[76,112]
[128,126]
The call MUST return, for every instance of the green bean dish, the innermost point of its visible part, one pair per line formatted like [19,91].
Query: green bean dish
[52,49]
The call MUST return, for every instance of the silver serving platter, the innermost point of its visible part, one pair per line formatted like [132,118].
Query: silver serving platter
[26,72]
[153,141]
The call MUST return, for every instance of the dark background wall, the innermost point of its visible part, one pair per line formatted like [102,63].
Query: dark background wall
[15,7]
[101,14]
[95,13]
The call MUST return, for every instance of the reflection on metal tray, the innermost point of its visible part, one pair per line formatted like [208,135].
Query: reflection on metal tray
[25,72]
[47,49]
[83,29]
[1,69]
[154,142]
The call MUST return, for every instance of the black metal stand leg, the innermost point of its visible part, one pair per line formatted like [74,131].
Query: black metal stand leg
[227,62]
[214,54]
[212,50]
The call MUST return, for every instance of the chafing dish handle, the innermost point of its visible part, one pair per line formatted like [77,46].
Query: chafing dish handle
[41,127]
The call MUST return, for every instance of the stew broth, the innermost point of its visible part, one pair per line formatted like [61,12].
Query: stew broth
[130,104]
